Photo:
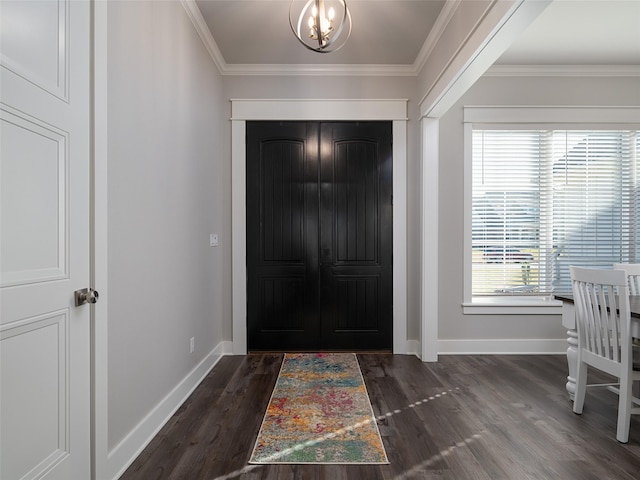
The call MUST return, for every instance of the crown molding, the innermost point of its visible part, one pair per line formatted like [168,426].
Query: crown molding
[563,71]
[205,34]
[321,70]
[551,114]
[445,16]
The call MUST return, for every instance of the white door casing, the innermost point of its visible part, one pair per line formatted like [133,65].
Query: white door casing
[394,110]
[44,239]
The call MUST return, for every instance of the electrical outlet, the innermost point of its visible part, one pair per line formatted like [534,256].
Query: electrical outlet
[192,345]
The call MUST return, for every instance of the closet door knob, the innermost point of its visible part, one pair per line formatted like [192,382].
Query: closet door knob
[86,295]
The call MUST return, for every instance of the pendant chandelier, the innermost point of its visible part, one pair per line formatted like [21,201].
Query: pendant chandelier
[322,25]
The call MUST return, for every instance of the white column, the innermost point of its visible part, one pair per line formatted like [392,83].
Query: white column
[430,168]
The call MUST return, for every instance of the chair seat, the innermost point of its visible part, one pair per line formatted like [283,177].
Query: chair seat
[636,356]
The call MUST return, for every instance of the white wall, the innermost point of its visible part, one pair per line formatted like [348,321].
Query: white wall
[168,189]
[453,325]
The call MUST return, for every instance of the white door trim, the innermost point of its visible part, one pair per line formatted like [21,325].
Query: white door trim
[318,110]
[99,267]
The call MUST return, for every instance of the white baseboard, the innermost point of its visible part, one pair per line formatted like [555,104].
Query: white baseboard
[413,348]
[503,347]
[121,457]
[225,348]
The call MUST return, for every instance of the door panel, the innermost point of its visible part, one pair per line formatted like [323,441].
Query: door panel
[35,43]
[355,202]
[34,237]
[44,239]
[319,235]
[34,377]
[356,235]
[355,299]
[282,203]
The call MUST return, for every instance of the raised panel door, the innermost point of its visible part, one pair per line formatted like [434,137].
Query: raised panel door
[282,236]
[319,236]
[44,239]
[356,240]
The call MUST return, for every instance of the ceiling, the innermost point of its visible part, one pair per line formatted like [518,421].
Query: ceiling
[392,33]
[387,32]
[580,32]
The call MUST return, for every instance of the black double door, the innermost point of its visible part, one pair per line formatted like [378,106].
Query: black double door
[319,236]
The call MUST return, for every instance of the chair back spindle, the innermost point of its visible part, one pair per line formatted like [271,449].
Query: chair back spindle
[633,275]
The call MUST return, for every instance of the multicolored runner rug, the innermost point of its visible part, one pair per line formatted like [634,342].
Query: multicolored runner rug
[319,412]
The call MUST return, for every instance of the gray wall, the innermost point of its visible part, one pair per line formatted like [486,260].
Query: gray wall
[564,91]
[168,188]
[308,87]
[169,180]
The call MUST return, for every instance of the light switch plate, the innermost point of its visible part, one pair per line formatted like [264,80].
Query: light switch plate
[213,240]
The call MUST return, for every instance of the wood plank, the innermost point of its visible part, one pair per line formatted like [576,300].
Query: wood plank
[465,417]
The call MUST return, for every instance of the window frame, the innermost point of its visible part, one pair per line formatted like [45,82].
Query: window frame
[525,118]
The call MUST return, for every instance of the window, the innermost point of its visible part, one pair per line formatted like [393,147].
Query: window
[544,188]
[543,199]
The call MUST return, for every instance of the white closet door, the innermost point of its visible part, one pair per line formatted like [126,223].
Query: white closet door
[44,239]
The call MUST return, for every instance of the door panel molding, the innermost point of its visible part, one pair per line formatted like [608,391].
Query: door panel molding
[35,368]
[41,59]
[318,110]
[35,240]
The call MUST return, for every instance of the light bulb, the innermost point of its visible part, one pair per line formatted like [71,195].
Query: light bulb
[311,22]
[324,25]
[332,13]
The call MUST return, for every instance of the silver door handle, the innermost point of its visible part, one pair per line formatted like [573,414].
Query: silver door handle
[86,295]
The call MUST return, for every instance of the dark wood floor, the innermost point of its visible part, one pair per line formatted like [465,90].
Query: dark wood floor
[465,417]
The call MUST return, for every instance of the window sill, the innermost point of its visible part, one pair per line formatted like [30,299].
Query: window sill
[512,306]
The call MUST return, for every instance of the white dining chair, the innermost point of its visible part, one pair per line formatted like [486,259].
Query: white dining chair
[633,275]
[603,322]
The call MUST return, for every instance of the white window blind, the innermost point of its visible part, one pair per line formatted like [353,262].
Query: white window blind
[547,199]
